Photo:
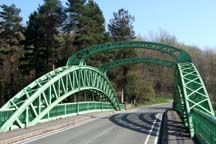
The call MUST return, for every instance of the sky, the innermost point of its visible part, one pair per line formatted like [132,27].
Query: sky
[193,22]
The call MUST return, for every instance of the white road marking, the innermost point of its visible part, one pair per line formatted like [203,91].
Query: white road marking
[158,132]
[149,134]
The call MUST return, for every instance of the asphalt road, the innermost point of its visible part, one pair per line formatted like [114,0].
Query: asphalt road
[140,126]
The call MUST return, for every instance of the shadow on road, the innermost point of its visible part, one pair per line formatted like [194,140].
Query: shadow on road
[177,129]
[139,122]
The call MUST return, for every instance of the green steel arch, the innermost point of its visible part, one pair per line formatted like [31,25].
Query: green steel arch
[49,90]
[178,54]
[108,66]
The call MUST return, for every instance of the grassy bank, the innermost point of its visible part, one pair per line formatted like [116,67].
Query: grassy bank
[155,100]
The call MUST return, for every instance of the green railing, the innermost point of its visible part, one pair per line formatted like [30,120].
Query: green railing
[62,110]
[204,127]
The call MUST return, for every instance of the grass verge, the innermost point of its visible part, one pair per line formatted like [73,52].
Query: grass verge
[155,100]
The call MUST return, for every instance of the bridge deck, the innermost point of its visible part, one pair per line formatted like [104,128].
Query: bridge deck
[177,132]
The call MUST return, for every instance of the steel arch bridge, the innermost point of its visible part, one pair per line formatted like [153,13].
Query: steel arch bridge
[43,99]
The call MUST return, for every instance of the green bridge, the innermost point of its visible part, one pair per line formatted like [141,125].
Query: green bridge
[43,99]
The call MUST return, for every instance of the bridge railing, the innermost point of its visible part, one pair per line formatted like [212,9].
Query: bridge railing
[62,110]
[204,126]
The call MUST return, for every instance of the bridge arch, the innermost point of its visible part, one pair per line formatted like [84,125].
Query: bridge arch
[178,54]
[49,90]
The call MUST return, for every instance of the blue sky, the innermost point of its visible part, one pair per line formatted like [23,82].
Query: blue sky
[191,21]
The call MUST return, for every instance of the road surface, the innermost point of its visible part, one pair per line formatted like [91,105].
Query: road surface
[140,126]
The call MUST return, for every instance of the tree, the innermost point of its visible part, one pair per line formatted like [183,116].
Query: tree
[96,27]
[75,10]
[165,37]
[29,59]
[41,45]
[96,32]
[121,26]
[139,87]
[86,22]
[11,37]
[51,16]
[121,29]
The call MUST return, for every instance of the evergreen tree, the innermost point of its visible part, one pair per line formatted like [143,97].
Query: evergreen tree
[51,16]
[121,29]
[31,59]
[75,10]
[86,22]
[97,33]
[121,26]
[11,37]
[41,46]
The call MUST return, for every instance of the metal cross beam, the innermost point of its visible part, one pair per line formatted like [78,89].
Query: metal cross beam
[108,66]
